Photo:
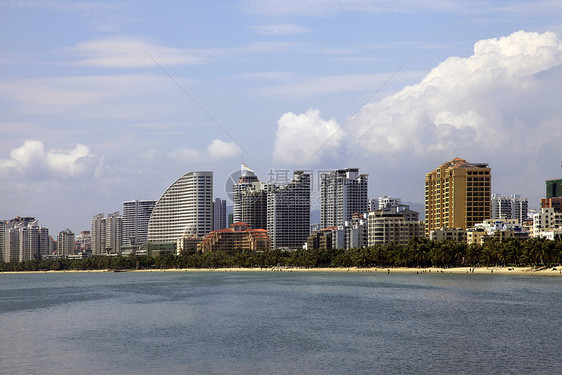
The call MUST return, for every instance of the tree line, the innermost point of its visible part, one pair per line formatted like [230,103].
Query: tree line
[419,252]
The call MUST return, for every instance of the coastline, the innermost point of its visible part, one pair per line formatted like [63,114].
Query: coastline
[519,271]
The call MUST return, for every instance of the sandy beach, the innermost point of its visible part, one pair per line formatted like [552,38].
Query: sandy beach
[526,271]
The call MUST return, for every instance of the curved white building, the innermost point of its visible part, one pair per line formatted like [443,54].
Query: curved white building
[187,203]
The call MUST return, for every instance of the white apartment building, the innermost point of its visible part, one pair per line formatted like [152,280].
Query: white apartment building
[136,215]
[343,192]
[97,234]
[546,222]
[512,207]
[187,205]
[288,212]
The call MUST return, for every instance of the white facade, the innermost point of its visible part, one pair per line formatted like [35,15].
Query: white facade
[136,215]
[187,205]
[342,193]
[512,207]
[288,212]
[546,221]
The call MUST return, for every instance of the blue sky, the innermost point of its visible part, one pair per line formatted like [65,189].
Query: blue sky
[89,120]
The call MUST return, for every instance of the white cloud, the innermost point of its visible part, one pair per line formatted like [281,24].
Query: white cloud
[127,52]
[31,158]
[223,150]
[468,103]
[280,29]
[304,139]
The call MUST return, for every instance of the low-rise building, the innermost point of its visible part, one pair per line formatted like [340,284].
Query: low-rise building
[448,234]
[392,227]
[238,237]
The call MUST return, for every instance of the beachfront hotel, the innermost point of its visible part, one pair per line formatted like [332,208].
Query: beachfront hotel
[185,206]
[457,195]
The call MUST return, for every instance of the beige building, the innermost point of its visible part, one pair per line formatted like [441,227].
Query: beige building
[238,237]
[457,195]
[390,227]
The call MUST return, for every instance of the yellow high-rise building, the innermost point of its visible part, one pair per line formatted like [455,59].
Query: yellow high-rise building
[457,195]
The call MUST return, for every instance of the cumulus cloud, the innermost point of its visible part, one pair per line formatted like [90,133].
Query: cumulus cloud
[302,139]
[32,158]
[223,150]
[472,103]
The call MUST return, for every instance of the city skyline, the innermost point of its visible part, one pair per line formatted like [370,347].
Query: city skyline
[95,110]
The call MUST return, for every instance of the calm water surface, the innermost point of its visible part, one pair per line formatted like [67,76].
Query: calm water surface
[279,323]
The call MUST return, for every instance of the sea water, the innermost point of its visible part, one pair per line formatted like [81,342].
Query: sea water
[279,323]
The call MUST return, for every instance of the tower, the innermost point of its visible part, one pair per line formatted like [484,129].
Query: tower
[136,215]
[457,195]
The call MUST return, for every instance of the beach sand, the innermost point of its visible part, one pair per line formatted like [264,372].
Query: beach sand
[527,271]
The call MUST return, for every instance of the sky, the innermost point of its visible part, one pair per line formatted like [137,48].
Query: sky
[104,102]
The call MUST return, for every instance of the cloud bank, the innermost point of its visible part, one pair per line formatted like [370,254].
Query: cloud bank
[31,158]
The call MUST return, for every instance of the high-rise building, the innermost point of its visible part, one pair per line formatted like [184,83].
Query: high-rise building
[555,203]
[288,212]
[343,192]
[98,234]
[84,241]
[512,207]
[113,233]
[457,195]
[136,215]
[65,243]
[219,214]
[185,206]
[23,239]
[553,188]
[249,200]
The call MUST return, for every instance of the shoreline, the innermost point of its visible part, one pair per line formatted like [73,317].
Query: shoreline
[527,271]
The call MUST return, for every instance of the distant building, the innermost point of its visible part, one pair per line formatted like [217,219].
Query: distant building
[387,203]
[512,207]
[187,205]
[343,192]
[84,241]
[106,234]
[553,188]
[326,239]
[495,229]
[239,237]
[219,214]
[65,243]
[288,212]
[113,233]
[97,238]
[391,227]
[136,215]
[457,195]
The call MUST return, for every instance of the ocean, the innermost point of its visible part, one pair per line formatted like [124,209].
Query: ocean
[279,323]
